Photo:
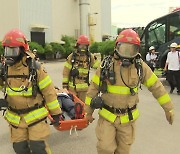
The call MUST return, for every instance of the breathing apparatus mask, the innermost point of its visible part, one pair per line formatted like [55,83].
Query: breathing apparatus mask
[127,53]
[82,48]
[13,55]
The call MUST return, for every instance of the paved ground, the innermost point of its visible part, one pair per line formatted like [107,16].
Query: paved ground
[153,136]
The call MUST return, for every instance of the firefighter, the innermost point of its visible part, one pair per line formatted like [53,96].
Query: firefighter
[77,67]
[28,89]
[114,91]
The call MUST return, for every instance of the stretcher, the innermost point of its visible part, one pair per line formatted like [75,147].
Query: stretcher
[79,123]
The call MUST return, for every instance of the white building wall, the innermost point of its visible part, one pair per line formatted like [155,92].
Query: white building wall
[65,18]
[36,12]
[62,17]
[9,16]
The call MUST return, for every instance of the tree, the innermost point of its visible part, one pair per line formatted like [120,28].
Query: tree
[69,44]
[38,47]
[1,49]
[49,51]
[94,47]
[104,48]
[57,47]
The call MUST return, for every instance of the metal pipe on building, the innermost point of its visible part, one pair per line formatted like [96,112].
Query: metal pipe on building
[84,6]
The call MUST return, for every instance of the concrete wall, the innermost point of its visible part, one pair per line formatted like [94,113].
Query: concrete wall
[36,14]
[65,18]
[9,16]
[58,17]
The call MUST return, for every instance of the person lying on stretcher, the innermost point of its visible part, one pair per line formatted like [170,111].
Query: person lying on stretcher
[70,109]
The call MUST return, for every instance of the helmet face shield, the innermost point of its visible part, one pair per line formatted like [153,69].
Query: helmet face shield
[127,50]
[12,55]
[11,51]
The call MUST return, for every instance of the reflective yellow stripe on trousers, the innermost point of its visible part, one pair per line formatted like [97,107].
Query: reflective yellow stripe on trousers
[36,114]
[12,118]
[123,118]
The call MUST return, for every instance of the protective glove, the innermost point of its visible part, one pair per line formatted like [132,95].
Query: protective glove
[170,116]
[90,118]
[56,119]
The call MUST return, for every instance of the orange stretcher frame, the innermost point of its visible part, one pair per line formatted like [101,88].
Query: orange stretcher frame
[77,124]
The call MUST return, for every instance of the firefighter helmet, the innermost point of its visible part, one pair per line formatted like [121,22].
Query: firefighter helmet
[82,39]
[128,43]
[15,38]
[128,36]
[15,45]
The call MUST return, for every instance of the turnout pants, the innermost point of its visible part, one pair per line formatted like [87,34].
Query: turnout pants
[114,138]
[30,140]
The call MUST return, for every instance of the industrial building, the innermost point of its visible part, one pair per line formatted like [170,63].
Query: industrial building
[47,20]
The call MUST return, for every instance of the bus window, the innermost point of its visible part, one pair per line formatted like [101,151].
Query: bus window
[174,27]
[156,34]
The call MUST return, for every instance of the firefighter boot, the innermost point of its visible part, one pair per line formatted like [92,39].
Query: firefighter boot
[38,147]
[21,147]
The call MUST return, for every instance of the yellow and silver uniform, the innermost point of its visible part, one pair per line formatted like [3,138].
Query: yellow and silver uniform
[24,99]
[119,95]
[83,63]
